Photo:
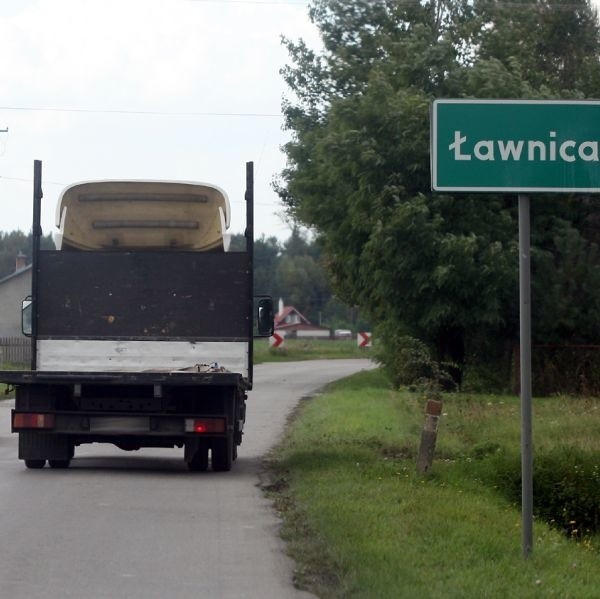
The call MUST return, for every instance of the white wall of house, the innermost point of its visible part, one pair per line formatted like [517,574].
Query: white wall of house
[13,290]
[321,333]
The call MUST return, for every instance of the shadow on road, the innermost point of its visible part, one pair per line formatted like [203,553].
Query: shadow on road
[136,465]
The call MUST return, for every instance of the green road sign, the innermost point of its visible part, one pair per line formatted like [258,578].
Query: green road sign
[515,146]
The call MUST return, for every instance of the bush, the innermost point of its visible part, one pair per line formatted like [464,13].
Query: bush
[571,370]
[566,488]
[408,362]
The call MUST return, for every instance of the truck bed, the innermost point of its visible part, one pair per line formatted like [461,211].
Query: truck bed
[20,377]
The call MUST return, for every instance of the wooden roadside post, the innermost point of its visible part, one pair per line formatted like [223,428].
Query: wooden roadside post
[433,411]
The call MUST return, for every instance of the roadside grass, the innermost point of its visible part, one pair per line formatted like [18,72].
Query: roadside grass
[360,522]
[6,392]
[3,387]
[308,349]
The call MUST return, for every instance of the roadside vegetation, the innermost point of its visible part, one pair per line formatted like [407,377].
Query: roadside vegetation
[360,522]
[6,392]
[309,349]
[3,387]
[442,268]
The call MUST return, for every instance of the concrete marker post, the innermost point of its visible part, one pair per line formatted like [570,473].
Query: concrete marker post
[433,411]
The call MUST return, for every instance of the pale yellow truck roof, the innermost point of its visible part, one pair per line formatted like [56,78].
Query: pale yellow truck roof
[100,215]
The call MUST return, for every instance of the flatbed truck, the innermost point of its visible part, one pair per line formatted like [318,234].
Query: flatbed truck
[141,330]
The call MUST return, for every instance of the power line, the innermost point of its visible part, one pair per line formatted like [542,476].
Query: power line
[139,112]
[25,180]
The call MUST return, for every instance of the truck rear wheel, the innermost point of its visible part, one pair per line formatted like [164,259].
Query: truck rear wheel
[35,464]
[222,454]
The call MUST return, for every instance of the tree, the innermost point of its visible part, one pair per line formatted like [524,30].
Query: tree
[438,267]
[291,270]
[267,253]
[305,285]
[555,43]
[15,242]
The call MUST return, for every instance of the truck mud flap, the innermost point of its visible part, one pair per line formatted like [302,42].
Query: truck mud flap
[42,446]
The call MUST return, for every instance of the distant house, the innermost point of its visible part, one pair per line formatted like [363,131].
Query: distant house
[293,323]
[14,288]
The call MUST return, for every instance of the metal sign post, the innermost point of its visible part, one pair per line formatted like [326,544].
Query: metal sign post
[36,236]
[525,343]
[517,146]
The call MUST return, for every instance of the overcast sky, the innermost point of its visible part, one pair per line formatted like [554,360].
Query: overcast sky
[203,67]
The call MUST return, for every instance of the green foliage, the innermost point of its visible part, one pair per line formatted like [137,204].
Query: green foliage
[439,268]
[566,370]
[305,283]
[567,281]
[14,242]
[566,487]
[293,270]
[558,44]
[407,361]
[267,254]
[566,490]
[495,374]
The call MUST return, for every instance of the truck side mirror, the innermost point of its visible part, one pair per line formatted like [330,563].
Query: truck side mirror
[26,314]
[265,316]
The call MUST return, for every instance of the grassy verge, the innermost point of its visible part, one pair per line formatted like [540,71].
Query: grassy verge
[3,387]
[308,349]
[361,523]
[4,394]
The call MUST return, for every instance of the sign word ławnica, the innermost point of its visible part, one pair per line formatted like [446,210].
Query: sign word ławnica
[515,145]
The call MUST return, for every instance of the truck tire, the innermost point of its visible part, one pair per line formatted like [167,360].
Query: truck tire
[35,464]
[199,461]
[222,454]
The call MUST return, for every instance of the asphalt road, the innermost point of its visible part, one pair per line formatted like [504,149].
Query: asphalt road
[119,524]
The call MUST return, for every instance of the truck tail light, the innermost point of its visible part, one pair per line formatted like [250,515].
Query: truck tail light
[40,421]
[204,425]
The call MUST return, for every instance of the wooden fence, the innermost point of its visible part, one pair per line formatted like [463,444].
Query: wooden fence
[15,351]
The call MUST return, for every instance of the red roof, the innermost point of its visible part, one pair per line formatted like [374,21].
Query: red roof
[303,325]
[287,310]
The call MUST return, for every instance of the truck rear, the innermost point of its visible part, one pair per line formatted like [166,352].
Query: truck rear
[142,325]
